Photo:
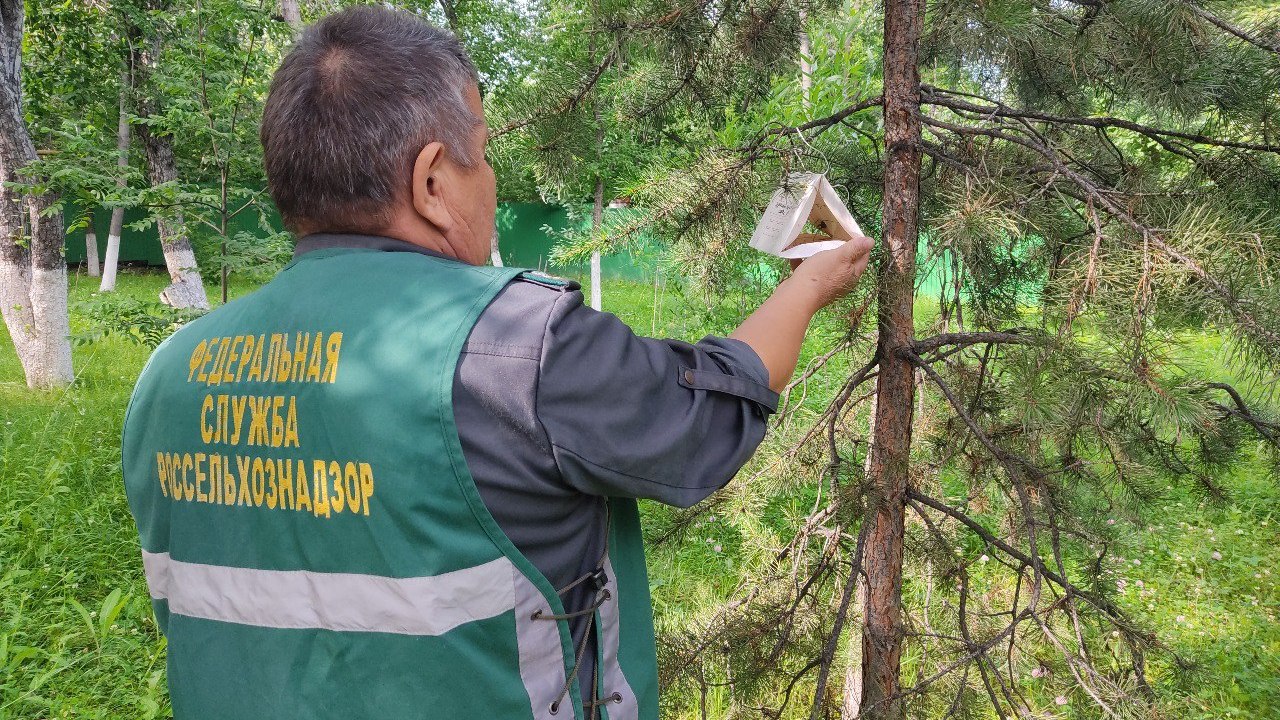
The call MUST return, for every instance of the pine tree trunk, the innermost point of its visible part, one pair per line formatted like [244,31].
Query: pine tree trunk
[882,635]
[91,247]
[33,271]
[186,289]
[122,165]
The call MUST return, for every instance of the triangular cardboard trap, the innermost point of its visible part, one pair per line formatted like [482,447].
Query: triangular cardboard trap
[803,197]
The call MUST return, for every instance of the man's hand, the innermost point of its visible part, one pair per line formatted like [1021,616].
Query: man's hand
[776,329]
[831,274]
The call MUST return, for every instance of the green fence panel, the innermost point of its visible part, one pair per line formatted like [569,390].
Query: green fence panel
[527,232]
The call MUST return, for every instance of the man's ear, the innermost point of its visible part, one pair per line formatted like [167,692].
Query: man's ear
[429,175]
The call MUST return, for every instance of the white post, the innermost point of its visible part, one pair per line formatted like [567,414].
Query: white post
[91,248]
[597,217]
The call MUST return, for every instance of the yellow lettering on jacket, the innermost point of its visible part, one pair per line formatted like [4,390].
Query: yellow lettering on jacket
[197,359]
[232,356]
[246,354]
[255,366]
[333,348]
[258,477]
[351,486]
[319,489]
[163,473]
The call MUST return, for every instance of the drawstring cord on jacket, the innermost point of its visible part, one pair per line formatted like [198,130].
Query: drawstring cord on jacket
[600,580]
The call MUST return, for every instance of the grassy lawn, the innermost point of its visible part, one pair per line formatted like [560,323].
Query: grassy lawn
[77,638]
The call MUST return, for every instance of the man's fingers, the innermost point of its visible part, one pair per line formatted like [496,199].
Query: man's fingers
[857,247]
[805,238]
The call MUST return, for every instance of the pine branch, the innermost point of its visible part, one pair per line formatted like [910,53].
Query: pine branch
[944,98]
[827,121]
[566,104]
[1110,609]
[1014,336]
[1268,430]
[1239,32]
[1262,334]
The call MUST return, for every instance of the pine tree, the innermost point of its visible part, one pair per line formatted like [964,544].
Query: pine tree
[1088,178]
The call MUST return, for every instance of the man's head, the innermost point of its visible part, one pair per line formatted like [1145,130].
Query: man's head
[374,125]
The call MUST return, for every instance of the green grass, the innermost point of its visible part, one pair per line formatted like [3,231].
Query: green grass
[77,637]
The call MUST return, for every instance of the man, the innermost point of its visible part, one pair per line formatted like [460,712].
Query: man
[396,483]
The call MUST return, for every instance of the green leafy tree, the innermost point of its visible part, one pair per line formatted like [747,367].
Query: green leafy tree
[33,271]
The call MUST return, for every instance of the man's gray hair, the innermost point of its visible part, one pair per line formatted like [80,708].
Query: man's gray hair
[351,106]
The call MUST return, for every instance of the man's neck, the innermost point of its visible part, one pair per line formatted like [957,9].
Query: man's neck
[415,231]
[320,241]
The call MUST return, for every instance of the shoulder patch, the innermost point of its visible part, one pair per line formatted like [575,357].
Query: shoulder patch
[549,281]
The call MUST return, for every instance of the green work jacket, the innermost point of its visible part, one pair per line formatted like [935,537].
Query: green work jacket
[313,542]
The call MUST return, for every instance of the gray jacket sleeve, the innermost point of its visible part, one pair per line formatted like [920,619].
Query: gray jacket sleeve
[645,418]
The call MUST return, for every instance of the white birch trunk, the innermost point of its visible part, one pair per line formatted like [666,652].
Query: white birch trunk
[33,270]
[112,257]
[187,288]
[292,13]
[495,256]
[851,697]
[91,248]
[806,64]
[597,217]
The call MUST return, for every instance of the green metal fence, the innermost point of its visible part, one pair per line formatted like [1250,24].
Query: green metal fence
[526,234]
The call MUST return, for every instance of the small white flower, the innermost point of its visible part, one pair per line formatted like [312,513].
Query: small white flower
[1039,672]
[717,548]
[1111,521]
[1216,555]
[1060,700]
[1136,561]
[1180,618]
[984,558]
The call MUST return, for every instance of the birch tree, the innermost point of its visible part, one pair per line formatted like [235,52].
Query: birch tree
[291,10]
[123,126]
[186,289]
[33,270]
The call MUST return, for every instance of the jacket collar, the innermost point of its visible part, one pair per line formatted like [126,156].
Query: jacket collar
[321,241]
